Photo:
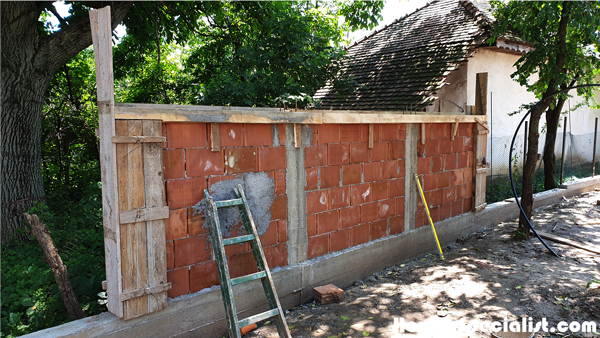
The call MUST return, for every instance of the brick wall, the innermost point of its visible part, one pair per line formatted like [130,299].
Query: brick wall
[190,166]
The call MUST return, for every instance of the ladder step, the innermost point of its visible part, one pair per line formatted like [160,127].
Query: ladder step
[229,203]
[247,278]
[258,317]
[236,240]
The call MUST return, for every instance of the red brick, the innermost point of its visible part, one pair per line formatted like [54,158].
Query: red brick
[170,256]
[465,129]
[240,160]
[337,154]
[450,162]
[397,150]
[317,201]
[186,135]
[424,165]
[420,219]
[360,193]
[270,236]
[369,212]
[396,225]
[203,276]
[279,182]
[282,231]
[436,197]
[380,190]
[329,133]
[402,126]
[185,193]
[464,160]
[430,182]
[328,222]
[401,134]
[314,135]
[432,147]
[330,177]
[389,169]
[420,149]
[231,134]
[457,208]
[389,132]
[458,145]
[341,240]
[464,175]
[437,164]
[312,179]
[372,171]
[203,162]
[380,151]
[445,146]
[271,158]
[435,214]
[180,282]
[359,152]
[191,250]
[241,265]
[340,197]
[467,205]
[401,168]
[256,134]
[195,223]
[311,225]
[464,191]
[279,207]
[468,144]
[437,130]
[352,132]
[449,195]
[360,234]
[445,211]
[276,256]
[387,208]
[378,229]
[315,155]
[281,127]
[173,164]
[318,245]
[443,180]
[236,249]
[349,217]
[176,224]
[351,174]
[400,205]
[214,179]
[396,187]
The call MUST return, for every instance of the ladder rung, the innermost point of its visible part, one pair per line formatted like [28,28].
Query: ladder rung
[236,240]
[247,278]
[229,203]
[258,317]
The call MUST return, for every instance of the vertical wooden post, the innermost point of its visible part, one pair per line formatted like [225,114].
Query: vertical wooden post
[215,138]
[481,83]
[297,136]
[102,40]
[371,132]
[479,167]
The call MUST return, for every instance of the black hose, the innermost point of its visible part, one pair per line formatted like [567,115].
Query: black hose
[510,160]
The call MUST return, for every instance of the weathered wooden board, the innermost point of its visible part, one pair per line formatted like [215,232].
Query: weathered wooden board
[144,214]
[481,84]
[215,137]
[479,167]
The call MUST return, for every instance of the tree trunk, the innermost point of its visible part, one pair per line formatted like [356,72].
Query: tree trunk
[552,120]
[61,275]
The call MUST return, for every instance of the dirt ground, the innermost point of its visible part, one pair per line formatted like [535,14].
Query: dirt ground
[486,277]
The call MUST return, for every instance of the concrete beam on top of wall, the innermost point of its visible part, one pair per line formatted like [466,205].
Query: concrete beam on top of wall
[202,314]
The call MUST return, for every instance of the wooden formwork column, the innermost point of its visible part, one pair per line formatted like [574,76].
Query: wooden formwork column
[480,166]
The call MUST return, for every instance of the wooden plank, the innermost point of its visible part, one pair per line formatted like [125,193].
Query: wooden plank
[584,246]
[100,22]
[162,288]
[297,135]
[479,167]
[422,133]
[481,84]
[215,137]
[139,139]
[371,132]
[482,123]
[454,129]
[144,214]
[239,239]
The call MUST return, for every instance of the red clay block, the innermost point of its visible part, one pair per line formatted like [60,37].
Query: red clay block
[315,155]
[330,177]
[280,182]
[387,208]
[338,154]
[396,187]
[281,127]
[465,160]
[389,169]
[467,205]
[369,212]
[173,164]
[424,165]
[191,250]
[236,249]
[360,194]
[240,160]
[312,179]
[445,146]
[457,208]
[241,265]
[282,231]
[465,129]
[256,134]
[279,207]
[176,224]
[450,162]
[437,164]
[432,147]
[231,134]
[401,126]
[351,132]
[186,135]
[170,256]
[436,197]
[359,152]
[420,149]
[349,217]
[372,171]
[443,180]
[340,197]
[318,245]
[360,234]
[464,191]
[351,174]
[185,193]
[276,255]
[380,151]
[458,145]
[437,130]
[270,236]
[401,168]
[328,222]
[435,214]
[464,175]
[445,211]
[329,133]
[203,162]
[396,225]
[389,132]
[468,144]
[380,190]
[400,205]
[271,158]
[421,219]
[341,240]
[317,201]
[378,229]
[314,134]
[449,195]
[214,179]
[180,282]
[311,225]
[430,182]
[203,276]
[397,150]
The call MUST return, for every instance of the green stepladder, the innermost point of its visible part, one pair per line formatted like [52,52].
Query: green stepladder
[226,282]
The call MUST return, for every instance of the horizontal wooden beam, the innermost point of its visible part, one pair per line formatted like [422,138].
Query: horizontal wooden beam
[145,291]
[212,114]
[138,139]
[144,214]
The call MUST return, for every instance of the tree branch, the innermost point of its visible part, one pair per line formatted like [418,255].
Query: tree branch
[62,21]
[155,30]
